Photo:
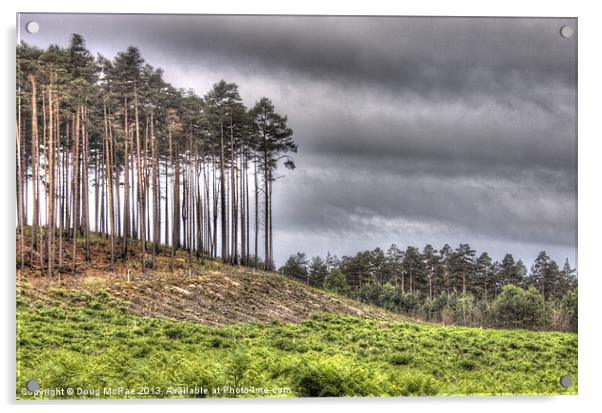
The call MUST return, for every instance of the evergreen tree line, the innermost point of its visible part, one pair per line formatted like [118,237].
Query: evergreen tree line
[450,285]
[108,146]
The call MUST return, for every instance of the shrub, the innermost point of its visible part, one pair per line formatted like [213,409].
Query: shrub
[369,292]
[239,364]
[333,377]
[296,267]
[197,372]
[389,297]
[336,281]
[408,303]
[517,307]
[175,331]
[400,359]
[569,305]
[412,383]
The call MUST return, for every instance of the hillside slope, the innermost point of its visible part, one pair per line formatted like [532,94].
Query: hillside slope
[211,293]
[83,341]
[214,330]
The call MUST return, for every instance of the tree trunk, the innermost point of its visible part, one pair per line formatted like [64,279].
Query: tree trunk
[431,287]
[50,191]
[140,186]
[96,195]
[75,168]
[209,236]
[243,213]
[256,219]
[101,183]
[233,200]
[109,180]
[266,212]
[155,179]
[85,182]
[35,179]
[175,243]
[133,187]
[64,194]
[167,196]
[201,209]
[126,185]
[464,280]
[271,233]
[20,196]
[224,251]
[248,218]
[215,205]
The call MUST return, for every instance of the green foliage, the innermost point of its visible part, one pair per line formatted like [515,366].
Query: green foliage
[369,292]
[450,286]
[389,297]
[333,377]
[517,307]
[78,346]
[335,281]
[570,307]
[318,270]
[409,303]
[296,267]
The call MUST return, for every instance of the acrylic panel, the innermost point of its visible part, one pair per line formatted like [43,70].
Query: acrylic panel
[295,206]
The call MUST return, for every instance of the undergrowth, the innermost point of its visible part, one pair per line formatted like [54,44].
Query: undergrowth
[88,341]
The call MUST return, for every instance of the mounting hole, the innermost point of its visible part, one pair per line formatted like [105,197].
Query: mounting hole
[32,27]
[32,385]
[566,32]
[565,381]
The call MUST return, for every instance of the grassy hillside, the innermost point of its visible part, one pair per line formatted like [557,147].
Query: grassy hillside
[255,334]
[100,345]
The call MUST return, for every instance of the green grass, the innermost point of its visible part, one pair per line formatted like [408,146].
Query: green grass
[92,343]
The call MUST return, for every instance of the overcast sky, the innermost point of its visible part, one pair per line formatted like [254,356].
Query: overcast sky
[410,130]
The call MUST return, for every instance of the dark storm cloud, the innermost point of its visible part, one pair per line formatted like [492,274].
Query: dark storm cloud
[478,137]
[458,56]
[437,58]
[502,208]
[410,130]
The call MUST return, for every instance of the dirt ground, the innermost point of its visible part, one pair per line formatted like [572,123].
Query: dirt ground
[211,293]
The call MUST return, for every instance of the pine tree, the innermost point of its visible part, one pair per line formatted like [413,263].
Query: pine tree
[96,136]
[539,271]
[463,267]
[275,142]
[433,270]
[395,265]
[413,269]
[483,284]
[317,271]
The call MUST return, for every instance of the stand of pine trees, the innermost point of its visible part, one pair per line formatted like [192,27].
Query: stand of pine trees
[450,285]
[108,146]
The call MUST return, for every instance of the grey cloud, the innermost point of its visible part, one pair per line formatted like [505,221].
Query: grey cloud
[410,130]
[510,209]
[424,55]
[482,136]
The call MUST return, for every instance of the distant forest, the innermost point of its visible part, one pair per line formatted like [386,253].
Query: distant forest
[108,146]
[450,285]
